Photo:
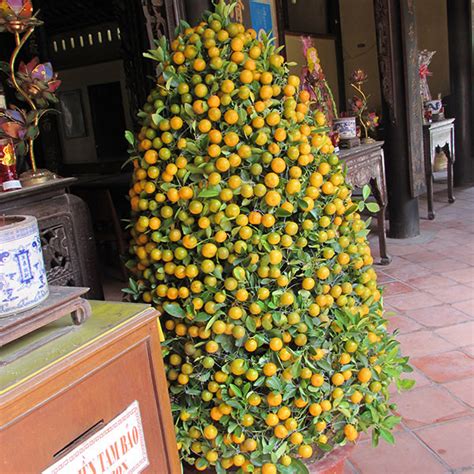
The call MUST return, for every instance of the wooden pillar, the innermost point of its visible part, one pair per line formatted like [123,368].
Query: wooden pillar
[460,68]
[401,130]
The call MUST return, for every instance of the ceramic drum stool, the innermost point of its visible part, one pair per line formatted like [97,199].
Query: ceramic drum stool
[23,282]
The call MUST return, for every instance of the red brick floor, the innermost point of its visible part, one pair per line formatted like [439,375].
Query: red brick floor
[429,289]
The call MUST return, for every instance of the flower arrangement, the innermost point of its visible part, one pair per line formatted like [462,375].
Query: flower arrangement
[424,60]
[34,83]
[314,81]
[245,236]
[369,121]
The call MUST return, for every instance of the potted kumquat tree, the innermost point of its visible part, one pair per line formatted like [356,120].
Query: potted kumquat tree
[245,236]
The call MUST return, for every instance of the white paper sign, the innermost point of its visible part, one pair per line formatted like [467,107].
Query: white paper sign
[118,448]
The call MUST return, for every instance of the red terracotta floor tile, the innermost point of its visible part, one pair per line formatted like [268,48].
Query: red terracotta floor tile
[407,456]
[466,306]
[408,271]
[422,343]
[444,265]
[428,405]
[459,334]
[383,278]
[402,323]
[464,258]
[398,249]
[396,288]
[463,389]
[465,275]
[420,257]
[415,300]
[446,367]
[469,350]
[348,468]
[430,281]
[452,294]
[452,441]
[438,316]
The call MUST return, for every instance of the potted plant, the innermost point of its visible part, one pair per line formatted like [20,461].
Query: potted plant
[245,236]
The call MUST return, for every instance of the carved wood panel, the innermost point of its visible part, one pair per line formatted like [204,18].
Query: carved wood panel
[383,24]
[414,110]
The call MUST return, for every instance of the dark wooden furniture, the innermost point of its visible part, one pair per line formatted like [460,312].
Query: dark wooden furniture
[65,230]
[62,383]
[105,195]
[60,301]
[365,165]
[438,135]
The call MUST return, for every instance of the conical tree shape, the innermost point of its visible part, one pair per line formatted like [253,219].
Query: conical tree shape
[245,235]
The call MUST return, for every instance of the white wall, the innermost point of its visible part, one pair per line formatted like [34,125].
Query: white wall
[359,46]
[432,30]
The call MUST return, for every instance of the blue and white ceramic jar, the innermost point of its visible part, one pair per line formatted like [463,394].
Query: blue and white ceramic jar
[346,127]
[23,282]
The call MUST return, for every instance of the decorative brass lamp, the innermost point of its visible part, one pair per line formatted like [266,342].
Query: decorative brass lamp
[34,83]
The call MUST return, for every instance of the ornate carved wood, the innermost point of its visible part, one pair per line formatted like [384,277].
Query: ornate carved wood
[383,25]
[414,107]
[65,230]
[142,21]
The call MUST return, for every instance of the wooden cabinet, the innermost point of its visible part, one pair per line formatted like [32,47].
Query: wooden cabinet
[63,383]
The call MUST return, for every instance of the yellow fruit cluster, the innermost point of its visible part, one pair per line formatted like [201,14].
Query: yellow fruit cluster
[245,236]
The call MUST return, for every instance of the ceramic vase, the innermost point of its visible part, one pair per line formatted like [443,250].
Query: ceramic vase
[346,127]
[23,282]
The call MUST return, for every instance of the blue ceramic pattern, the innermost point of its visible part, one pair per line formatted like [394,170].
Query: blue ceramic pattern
[23,282]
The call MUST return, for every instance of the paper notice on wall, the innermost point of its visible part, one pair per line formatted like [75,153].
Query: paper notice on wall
[118,448]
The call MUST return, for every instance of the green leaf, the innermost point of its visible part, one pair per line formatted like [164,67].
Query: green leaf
[174,310]
[209,193]
[352,209]
[157,118]
[130,137]
[405,384]
[250,324]
[282,212]
[236,390]
[299,467]
[391,421]
[372,207]
[387,436]
[220,469]
[366,192]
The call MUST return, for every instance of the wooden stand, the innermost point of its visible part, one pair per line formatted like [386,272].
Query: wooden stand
[349,142]
[61,301]
[63,383]
[365,165]
[438,135]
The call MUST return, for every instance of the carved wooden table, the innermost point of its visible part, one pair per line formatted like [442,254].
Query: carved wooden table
[65,229]
[438,135]
[365,165]
[63,385]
